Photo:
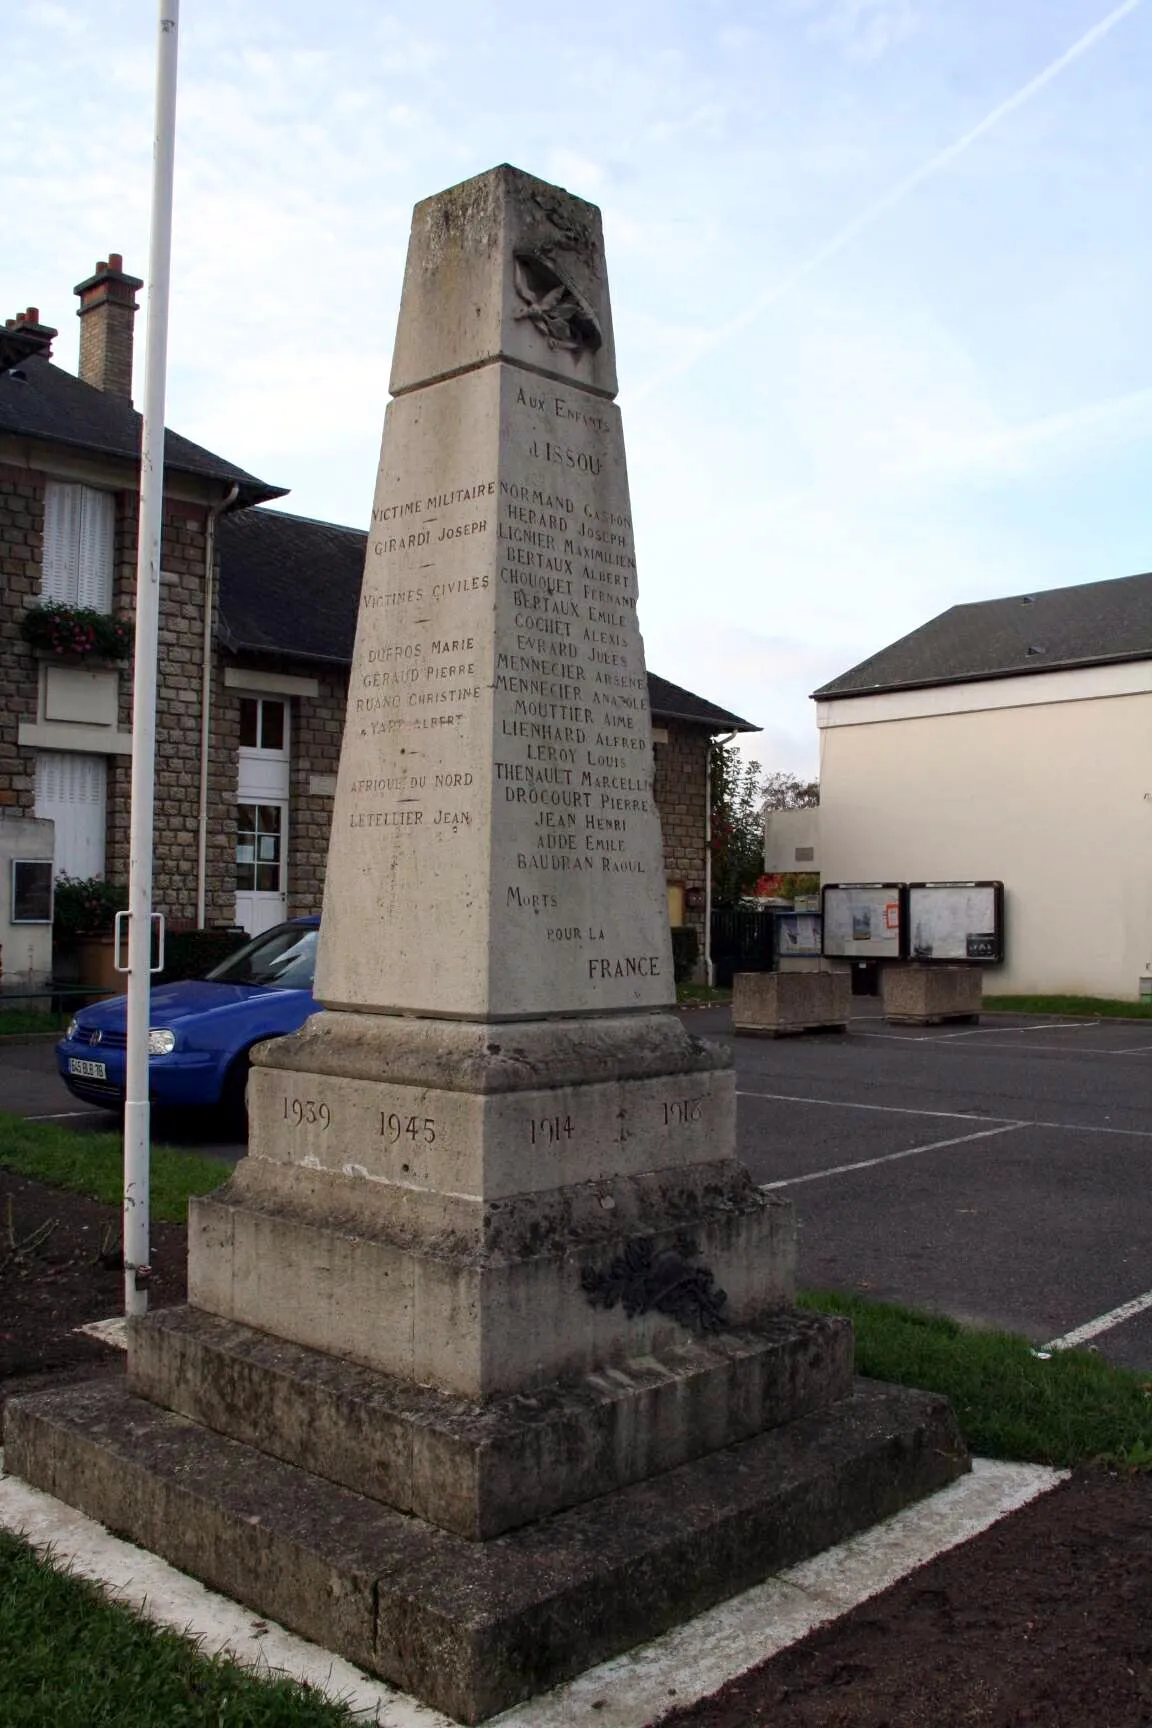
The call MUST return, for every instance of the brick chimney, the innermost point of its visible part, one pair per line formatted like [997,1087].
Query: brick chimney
[107,309]
[24,337]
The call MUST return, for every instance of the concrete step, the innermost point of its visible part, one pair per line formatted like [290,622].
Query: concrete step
[474,1627]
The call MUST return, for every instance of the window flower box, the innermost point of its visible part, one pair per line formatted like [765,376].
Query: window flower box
[62,632]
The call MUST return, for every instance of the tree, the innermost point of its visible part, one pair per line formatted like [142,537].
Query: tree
[737,824]
[784,791]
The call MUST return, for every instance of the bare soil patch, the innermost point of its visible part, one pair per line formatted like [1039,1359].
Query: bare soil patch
[60,1267]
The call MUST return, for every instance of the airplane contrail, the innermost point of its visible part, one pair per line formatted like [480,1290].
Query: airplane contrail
[887,201]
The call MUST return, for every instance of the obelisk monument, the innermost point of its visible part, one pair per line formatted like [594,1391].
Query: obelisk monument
[489,1367]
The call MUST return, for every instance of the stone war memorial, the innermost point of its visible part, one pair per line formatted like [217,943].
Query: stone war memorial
[489,1368]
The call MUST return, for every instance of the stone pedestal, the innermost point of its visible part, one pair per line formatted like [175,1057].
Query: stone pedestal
[489,1367]
[929,995]
[774,1004]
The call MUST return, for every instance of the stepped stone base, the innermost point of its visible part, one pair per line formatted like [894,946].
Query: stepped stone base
[481,1469]
[472,1628]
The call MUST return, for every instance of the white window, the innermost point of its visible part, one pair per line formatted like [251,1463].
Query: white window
[262,798]
[79,541]
[72,789]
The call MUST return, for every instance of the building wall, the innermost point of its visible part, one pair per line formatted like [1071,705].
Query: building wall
[791,841]
[21,553]
[180,654]
[681,790]
[25,949]
[1043,782]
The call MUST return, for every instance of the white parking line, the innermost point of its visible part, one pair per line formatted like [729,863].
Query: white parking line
[953,1115]
[1102,1323]
[892,1157]
[64,1115]
[886,1109]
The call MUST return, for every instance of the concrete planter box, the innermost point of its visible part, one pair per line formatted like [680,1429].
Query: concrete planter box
[772,1004]
[928,995]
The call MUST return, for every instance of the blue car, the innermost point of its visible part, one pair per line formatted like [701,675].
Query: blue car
[202,1029]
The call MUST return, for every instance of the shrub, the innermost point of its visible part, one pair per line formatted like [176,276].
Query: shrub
[76,632]
[86,906]
[685,952]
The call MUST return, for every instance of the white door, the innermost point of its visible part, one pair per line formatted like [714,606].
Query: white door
[72,789]
[262,814]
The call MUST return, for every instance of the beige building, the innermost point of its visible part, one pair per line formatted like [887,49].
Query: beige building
[1012,740]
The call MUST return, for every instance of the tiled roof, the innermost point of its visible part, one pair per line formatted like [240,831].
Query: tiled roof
[290,586]
[669,702]
[39,400]
[1053,629]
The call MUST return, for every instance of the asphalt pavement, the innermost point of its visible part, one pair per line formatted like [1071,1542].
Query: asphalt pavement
[997,1173]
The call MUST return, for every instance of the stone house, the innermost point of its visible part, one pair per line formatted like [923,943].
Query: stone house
[257,619]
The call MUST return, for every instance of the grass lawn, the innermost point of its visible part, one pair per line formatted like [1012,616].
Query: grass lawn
[702,994]
[1072,1407]
[1083,1007]
[69,1658]
[93,1164]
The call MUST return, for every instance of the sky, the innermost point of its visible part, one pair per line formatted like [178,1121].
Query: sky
[881,276]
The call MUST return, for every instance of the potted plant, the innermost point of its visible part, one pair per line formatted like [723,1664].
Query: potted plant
[76,632]
[83,921]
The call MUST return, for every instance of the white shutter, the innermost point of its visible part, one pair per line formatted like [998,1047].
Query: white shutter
[62,514]
[97,537]
[72,790]
[79,544]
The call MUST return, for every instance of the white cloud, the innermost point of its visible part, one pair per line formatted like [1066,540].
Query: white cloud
[860,29]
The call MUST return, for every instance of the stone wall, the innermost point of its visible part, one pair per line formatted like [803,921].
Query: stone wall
[681,787]
[178,699]
[318,723]
[21,554]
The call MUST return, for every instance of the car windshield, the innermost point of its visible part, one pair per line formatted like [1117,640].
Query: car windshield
[284,957]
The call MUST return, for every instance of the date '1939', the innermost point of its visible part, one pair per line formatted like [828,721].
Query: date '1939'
[307,1112]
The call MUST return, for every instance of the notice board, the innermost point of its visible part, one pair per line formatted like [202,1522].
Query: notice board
[862,920]
[951,921]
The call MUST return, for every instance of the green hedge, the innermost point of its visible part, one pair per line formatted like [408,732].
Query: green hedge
[685,952]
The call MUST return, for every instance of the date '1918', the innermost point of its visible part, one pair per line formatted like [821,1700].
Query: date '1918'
[307,1112]
[680,1110]
[395,1128]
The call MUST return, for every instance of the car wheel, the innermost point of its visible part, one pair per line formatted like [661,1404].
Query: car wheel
[234,1095]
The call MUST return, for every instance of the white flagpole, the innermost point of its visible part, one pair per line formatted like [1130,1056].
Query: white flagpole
[137,1120]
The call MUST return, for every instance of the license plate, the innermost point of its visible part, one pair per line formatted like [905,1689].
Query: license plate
[87,1070]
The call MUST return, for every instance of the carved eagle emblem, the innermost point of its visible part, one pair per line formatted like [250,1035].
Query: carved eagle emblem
[554,305]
